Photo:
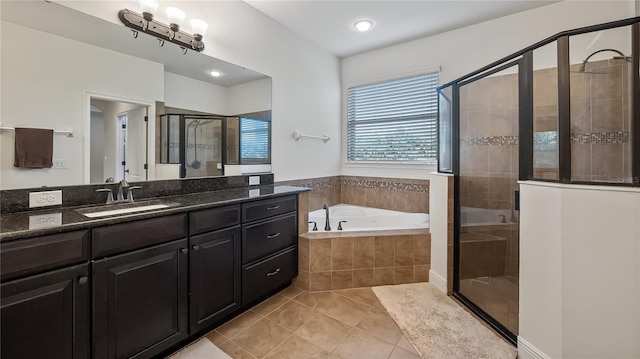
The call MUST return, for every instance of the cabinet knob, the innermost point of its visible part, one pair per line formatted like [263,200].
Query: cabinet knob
[196,247]
[83,280]
[184,250]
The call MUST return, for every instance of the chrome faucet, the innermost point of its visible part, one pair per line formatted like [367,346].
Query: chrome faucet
[122,186]
[327,227]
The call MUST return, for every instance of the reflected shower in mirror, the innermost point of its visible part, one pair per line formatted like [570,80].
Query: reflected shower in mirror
[194,144]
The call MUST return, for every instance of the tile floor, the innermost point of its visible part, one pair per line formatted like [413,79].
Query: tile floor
[295,324]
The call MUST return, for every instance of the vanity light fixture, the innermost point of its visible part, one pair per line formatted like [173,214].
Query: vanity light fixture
[215,73]
[363,25]
[163,32]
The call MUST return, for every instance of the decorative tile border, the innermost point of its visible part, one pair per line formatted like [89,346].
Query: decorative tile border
[581,138]
[490,141]
[601,137]
[392,186]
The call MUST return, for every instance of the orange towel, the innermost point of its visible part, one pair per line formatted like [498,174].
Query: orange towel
[34,148]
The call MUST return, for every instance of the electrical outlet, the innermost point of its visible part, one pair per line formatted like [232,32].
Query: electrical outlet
[45,220]
[254,192]
[43,199]
[254,180]
[58,163]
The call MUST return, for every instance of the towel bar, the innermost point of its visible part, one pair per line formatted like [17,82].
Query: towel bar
[298,134]
[68,133]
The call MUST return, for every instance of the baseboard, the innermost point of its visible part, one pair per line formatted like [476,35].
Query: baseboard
[437,280]
[526,350]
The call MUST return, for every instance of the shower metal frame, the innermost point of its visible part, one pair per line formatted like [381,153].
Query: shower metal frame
[524,61]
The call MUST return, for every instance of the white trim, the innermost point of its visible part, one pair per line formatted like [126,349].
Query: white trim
[524,347]
[581,186]
[437,280]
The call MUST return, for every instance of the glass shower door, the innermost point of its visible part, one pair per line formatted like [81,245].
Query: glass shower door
[487,243]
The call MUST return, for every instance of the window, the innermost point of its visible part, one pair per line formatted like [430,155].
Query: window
[393,121]
[254,141]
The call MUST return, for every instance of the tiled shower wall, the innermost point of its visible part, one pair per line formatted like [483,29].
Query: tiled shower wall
[399,194]
[601,122]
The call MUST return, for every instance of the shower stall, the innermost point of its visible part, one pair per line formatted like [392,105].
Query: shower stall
[564,110]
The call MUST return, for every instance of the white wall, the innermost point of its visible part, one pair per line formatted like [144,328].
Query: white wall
[306,79]
[52,94]
[200,96]
[580,270]
[438,226]
[250,97]
[462,51]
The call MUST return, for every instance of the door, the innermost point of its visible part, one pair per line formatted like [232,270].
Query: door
[140,302]
[135,155]
[215,276]
[487,237]
[47,315]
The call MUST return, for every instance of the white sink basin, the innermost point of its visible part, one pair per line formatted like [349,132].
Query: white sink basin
[125,208]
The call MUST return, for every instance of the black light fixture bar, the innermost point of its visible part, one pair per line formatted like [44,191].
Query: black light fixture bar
[161,31]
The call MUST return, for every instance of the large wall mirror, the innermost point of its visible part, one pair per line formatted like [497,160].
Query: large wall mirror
[138,111]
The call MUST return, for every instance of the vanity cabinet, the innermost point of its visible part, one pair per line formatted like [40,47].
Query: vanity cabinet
[214,265]
[47,316]
[140,301]
[45,297]
[140,288]
[269,246]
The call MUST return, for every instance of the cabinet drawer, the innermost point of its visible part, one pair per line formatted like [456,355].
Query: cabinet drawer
[213,218]
[133,235]
[38,254]
[263,238]
[265,276]
[267,208]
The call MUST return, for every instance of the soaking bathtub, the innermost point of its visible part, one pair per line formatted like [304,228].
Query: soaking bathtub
[367,219]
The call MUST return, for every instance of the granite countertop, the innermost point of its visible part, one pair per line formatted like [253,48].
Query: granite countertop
[15,226]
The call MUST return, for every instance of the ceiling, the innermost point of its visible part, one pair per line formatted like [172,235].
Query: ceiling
[329,24]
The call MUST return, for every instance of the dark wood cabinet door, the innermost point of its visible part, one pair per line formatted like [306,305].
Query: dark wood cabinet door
[140,302]
[214,276]
[47,315]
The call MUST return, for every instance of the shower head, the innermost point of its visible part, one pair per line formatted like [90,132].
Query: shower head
[621,57]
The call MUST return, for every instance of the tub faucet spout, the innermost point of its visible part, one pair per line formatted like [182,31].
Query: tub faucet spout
[327,227]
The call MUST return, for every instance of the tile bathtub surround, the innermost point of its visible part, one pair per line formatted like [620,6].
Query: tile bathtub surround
[400,194]
[17,200]
[295,324]
[353,262]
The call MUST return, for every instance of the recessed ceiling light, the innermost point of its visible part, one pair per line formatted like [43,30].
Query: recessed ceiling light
[363,25]
[215,73]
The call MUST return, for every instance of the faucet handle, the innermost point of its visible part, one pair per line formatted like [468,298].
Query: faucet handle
[130,192]
[109,195]
[340,225]
[315,225]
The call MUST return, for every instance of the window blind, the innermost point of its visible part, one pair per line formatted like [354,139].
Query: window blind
[394,120]
[254,141]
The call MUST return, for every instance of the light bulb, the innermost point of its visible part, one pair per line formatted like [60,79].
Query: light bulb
[215,73]
[175,15]
[363,25]
[199,27]
[148,6]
